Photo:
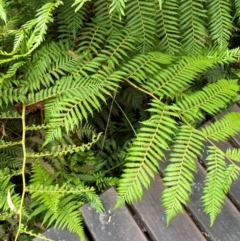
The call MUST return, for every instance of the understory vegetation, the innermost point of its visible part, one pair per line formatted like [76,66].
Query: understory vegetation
[97,93]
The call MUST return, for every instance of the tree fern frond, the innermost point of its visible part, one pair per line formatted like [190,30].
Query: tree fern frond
[70,22]
[92,39]
[44,17]
[146,149]
[168,81]
[3,11]
[118,6]
[103,18]
[220,21]
[192,26]
[79,4]
[237,8]
[116,48]
[40,176]
[231,174]
[233,154]
[140,21]
[213,192]
[211,99]
[178,175]
[222,129]
[143,66]
[167,20]
[61,150]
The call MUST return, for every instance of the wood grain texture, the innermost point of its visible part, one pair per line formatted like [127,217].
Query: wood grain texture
[152,215]
[59,235]
[113,225]
[226,226]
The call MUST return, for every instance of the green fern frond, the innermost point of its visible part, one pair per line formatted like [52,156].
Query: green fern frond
[44,17]
[103,18]
[178,76]
[167,20]
[116,48]
[211,99]
[231,174]
[12,70]
[237,8]
[70,22]
[79,4]
[193,17]
[140,17]
[118,6]
[92,39]
[143,66]
[178,175]
[146,149]
[61,150]
[222,129]
[3,11]
[220,21]
[233,154]
[213,192]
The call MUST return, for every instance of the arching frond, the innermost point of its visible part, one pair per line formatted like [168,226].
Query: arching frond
[140,21]
[224,128]
[167,20]
[178,175]
[193,17]
[146,149]
[214,187]
[220,21]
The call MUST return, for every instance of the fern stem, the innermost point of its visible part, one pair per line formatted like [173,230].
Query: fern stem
[125,117]
[140,89]
[22,171]
[108,120]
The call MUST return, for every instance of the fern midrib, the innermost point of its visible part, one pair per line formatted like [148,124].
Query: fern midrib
[213,185]
[176,187]
[118,47]
[145,63]
[142,21]
[144,160]
[215,93]
[171,78]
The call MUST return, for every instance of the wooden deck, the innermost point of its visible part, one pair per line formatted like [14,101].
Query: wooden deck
[145,220]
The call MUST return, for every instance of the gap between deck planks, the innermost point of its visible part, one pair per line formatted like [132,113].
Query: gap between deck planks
[120,225]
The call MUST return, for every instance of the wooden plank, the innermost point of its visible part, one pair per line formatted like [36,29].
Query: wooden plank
[226,226]
[152,215]
[235,107]
[117,225]
[59,235]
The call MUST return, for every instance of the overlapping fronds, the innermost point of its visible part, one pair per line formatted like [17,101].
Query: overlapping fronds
[106,18]
[213,196]
[141,22]
[211,99]
[220,21]
[224,128]
[73,69]
[70,22]
[146,149]
[178,175]
[178,76]
[192,26]
[167,20]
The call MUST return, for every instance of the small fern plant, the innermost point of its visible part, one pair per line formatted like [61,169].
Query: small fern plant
[67,66]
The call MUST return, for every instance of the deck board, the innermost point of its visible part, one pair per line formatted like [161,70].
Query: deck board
[153,216]
[226,226]
[59,235]
[117,225]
